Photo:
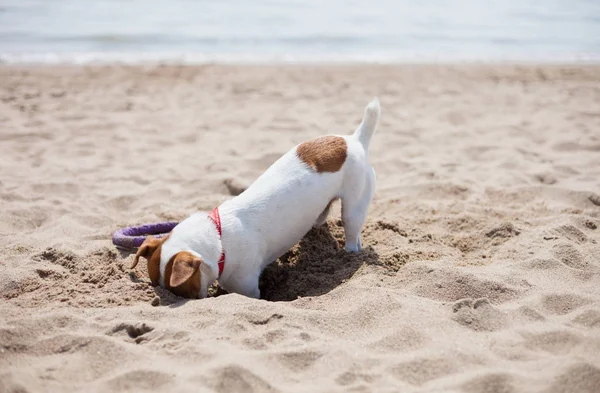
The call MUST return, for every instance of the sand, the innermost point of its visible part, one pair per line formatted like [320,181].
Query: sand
[481,266]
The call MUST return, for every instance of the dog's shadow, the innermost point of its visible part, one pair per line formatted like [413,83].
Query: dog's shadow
[315,266]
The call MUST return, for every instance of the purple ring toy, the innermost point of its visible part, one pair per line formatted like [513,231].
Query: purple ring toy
[133,237]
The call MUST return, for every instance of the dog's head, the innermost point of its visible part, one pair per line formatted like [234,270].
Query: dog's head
[181,272]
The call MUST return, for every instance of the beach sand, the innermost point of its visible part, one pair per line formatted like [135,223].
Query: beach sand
[481,263]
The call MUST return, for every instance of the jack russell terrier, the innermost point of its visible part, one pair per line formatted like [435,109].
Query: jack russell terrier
[239,238]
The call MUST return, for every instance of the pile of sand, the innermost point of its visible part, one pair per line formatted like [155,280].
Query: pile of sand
[481,267]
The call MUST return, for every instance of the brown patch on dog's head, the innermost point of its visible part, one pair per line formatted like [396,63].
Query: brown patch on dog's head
[323,154]
[182,274]
[150,250]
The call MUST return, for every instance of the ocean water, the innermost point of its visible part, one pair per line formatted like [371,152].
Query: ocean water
[299,30]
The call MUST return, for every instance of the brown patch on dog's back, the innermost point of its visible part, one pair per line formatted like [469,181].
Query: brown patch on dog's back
[323,154]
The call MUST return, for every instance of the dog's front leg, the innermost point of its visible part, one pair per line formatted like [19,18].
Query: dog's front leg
[251,289]
[247,286]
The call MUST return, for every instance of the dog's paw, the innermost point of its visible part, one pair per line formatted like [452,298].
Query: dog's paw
[352,248]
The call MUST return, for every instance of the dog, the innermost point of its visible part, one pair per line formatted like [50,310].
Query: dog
[238,239]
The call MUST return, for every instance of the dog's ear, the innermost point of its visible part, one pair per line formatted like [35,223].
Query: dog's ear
[185,266]
[146,249]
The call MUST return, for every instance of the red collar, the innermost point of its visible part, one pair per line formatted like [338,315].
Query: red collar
[214,216]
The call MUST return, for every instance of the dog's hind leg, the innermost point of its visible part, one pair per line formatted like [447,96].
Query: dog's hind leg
[354,214]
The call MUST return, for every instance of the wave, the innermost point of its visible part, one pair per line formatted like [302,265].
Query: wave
[58,58]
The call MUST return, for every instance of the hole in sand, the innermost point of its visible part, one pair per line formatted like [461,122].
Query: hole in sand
[315,266]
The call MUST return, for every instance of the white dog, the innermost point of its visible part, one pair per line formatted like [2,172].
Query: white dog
[239,238]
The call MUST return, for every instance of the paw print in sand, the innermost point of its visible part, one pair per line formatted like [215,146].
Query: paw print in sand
[479,315]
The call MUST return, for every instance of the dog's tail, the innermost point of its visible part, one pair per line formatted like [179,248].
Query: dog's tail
[367,128]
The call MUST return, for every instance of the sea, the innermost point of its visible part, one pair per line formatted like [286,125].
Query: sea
[382,31]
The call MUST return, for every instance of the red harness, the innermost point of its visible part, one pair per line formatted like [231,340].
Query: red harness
[214,216]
